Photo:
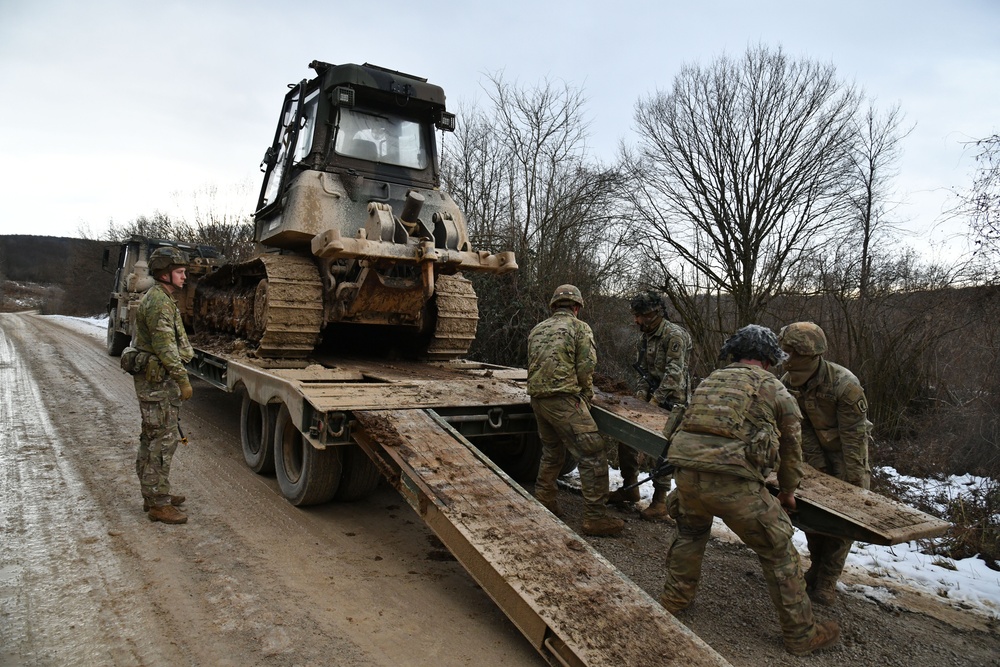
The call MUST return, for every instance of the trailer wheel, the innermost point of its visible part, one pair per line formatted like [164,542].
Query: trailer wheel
[257,424]
[117,341]
[360,477]
[306,475]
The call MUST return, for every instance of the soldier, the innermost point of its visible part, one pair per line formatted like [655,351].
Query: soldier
[664,354]
[561,363]
[835,436]
[740,422]
[163,349]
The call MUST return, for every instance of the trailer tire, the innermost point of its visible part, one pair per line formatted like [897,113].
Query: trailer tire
[117,341]
[306,475]
[360,477]
[257,424]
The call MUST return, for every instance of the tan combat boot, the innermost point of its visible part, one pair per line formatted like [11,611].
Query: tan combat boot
[824,592]
[657,510]
[621,496]
[166,514]
[827,634]
[551,505]
[174,500]
[606,526]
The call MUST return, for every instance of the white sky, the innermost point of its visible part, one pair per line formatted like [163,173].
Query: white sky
[114,109]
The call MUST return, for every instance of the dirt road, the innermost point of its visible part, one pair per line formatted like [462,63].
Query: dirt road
[85,579]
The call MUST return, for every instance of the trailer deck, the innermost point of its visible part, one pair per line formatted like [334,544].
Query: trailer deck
[415,422]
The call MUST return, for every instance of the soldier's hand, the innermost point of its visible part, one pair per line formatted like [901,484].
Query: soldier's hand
[186,390]
[787,500]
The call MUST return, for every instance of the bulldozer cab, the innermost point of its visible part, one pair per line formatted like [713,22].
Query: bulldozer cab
[361,120]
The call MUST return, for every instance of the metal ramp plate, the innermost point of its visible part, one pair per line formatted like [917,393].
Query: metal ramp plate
[571,604]
[825,504]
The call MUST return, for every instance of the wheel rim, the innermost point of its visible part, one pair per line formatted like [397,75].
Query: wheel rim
[255,427]
[291,452]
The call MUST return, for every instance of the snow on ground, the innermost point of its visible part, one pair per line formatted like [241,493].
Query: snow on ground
[91,326]
[966,582]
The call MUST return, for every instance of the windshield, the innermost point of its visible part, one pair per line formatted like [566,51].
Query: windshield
[380,138]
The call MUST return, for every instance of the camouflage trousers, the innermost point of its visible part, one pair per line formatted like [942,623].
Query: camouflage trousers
[827,555]
[750,511]
[159,404]
[565,425]
[628,463]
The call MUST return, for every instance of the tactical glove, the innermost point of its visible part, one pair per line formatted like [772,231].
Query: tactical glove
[186,390]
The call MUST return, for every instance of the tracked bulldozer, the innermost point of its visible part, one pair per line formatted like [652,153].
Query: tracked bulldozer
[359,243]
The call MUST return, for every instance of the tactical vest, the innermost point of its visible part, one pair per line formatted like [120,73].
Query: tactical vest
[721,404]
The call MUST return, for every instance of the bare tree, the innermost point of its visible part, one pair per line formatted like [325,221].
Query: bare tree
[981,203]
[521,173]
[740,174]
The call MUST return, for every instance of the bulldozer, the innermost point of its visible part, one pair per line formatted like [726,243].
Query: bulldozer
[359,246]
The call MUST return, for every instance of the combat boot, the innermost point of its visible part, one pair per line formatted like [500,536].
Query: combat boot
[657,510]
[621,496]
[824,592]
[671,606]
[174,500]
[827,634]
[606,526]
[166,514]
[551,505]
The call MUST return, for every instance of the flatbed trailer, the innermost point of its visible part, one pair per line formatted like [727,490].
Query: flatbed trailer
[334,427]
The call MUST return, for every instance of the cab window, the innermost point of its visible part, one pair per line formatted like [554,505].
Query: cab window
[383,138]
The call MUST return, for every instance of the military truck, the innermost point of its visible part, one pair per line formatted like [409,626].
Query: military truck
[132,279]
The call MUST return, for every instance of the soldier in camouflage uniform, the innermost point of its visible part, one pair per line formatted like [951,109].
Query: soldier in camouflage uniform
[835,436]
[740,423]
[561,363]
[664,355]
[163,383]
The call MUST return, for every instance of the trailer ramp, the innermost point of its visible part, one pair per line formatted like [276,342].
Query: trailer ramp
[572,605]
[825,504]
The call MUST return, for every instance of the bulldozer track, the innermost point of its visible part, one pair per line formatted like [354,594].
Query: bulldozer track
[274,301]
[288,307]
[457,318]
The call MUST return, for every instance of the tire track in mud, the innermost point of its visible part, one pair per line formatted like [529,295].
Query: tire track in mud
[49,529]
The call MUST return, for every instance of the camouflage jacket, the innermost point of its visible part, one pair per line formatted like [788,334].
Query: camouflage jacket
[561,357]
[159,330]
[836,430]
[772,413]
[665,355]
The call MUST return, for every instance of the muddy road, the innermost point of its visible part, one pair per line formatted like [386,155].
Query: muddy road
[86,579]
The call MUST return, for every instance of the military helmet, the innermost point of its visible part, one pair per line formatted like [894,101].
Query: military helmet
[165,259]
[753,342]
[647,302]
[803,338]
[566,293]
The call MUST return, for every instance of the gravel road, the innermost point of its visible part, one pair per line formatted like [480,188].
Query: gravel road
[85,579]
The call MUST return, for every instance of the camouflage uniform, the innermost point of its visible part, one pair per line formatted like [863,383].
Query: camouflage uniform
[724,476]
[667,354]
[664,354]
[159,332]
[835,436]
[561,363]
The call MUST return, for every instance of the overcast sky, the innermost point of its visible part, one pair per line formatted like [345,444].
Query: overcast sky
[112,110]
